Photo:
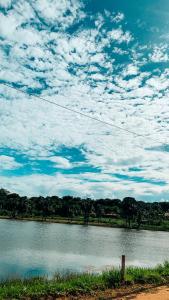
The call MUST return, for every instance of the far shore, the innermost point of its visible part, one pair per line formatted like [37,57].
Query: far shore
[116,223]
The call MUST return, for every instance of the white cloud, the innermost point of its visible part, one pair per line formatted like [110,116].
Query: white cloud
[159,82]
[60,162]
[131,70]
[54,11]
[80,185]
[75,70]
[5,3]
[7,26]
[159,55]
[8,163]
[120,36]
[118,18]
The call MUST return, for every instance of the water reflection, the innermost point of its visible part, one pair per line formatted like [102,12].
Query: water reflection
[34,248]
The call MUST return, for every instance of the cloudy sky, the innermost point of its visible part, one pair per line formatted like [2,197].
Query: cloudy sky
[107,59]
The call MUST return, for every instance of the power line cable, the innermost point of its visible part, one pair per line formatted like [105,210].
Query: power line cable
[80,113]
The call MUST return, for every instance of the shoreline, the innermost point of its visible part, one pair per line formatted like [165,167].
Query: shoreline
[79,222]
[105,285]
[61,221]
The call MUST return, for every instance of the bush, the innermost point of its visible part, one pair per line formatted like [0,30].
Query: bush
[112,278]
[144,275]
[129,279]
[153,278]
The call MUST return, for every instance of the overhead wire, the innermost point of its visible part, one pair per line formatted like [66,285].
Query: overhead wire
[80,113]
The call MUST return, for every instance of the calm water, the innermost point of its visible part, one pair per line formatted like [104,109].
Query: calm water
[34,248]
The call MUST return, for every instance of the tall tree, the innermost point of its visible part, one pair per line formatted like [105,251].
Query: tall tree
[129,209]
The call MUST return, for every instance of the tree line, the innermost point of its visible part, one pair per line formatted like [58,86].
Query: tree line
[72,208]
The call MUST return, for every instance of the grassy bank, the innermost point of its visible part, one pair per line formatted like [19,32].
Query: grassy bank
[80,284]
[115,223]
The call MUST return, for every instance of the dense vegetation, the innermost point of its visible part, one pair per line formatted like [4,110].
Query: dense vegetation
[77,284]
[113,212]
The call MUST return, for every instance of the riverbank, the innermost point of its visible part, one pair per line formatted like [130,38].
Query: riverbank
[76,285]
[114,223]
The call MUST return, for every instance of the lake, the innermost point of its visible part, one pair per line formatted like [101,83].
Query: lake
[36,248]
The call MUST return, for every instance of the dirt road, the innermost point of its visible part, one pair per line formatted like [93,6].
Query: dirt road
[161,293]
[150,293]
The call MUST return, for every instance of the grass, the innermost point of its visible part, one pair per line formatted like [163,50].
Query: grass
[77,221]
[104,222]
[76,284]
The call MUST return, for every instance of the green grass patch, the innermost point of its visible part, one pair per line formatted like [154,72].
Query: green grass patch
[75,284]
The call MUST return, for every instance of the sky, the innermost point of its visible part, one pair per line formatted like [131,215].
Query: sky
[107,59]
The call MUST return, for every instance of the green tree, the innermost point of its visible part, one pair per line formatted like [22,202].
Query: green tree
[129,209]
[86,210]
